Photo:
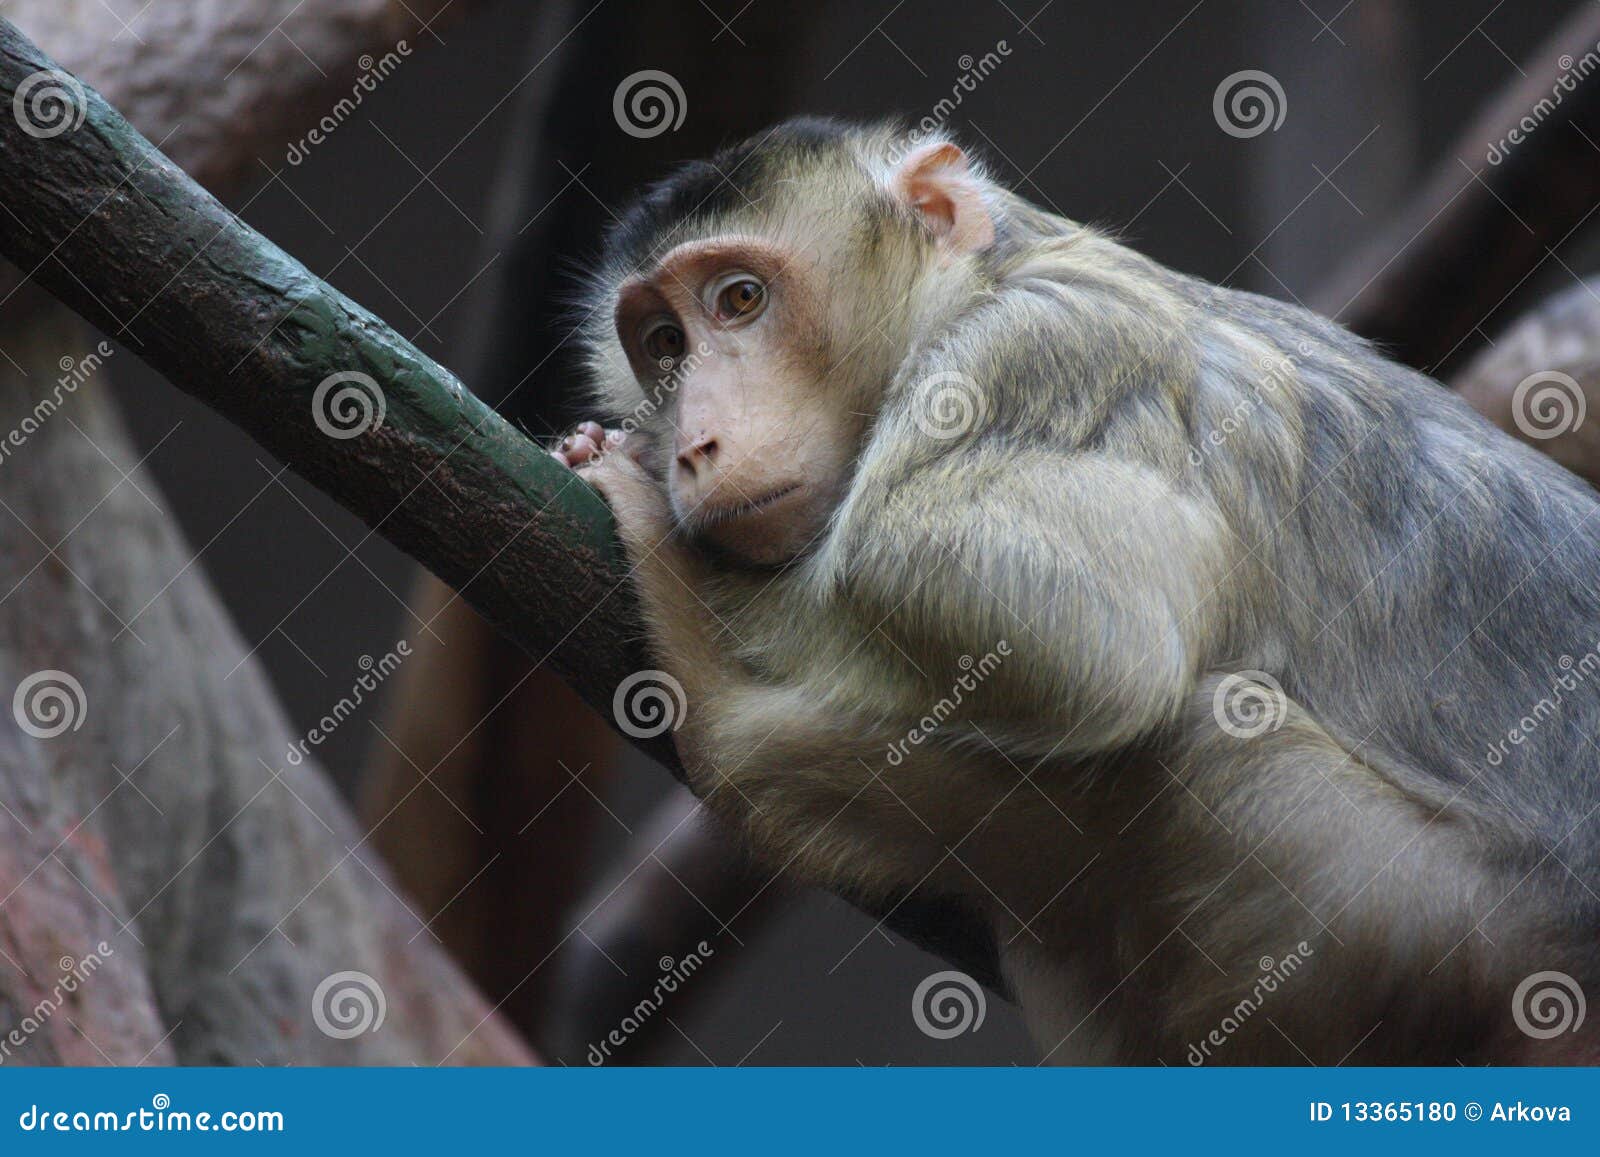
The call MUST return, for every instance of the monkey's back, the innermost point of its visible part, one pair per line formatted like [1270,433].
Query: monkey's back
[1437,586]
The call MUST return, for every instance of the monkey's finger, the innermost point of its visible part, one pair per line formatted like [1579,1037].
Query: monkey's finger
[581,448]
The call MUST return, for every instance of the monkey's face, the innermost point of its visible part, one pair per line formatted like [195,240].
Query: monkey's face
[752,442]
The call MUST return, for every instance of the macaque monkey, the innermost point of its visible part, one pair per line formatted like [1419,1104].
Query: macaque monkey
[1245,681]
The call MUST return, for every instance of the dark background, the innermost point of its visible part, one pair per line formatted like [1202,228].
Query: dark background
[1102,111]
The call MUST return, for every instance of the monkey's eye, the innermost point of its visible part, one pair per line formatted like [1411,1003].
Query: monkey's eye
[740,298]
[663,342]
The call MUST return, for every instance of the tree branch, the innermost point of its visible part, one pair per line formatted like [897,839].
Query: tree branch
[239,324]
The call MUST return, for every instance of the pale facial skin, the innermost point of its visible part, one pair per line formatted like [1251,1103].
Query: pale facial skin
[754,465]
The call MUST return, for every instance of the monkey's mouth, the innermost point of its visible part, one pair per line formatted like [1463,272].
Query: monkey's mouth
[712,516]
[768,529]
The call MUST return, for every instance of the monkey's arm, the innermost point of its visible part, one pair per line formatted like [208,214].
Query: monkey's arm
[1107,581]
[785,759]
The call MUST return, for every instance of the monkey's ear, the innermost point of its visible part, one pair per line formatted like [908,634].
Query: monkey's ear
[935,181]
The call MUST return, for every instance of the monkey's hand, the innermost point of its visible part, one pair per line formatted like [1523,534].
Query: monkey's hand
[665,570]
[604,459]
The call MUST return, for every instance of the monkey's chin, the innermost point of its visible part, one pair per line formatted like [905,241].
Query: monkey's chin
[769,531]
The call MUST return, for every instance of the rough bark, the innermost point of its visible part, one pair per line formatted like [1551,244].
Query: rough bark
[164,819]
[219,83]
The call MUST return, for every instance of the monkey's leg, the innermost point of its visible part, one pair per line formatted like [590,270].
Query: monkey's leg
[1279,896]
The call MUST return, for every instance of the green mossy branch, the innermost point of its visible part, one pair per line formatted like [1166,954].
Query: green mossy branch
[102,219]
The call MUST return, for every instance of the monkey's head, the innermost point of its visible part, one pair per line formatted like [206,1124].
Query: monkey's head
[751,311]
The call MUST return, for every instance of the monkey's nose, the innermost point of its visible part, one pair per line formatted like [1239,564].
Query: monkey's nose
[699,455]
